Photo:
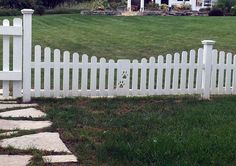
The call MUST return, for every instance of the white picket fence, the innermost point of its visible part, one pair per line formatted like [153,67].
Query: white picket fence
[51,73]
[65,74]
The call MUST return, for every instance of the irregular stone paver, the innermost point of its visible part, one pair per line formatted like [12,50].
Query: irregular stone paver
[25,113]
[23,124]
[8,133]
[46,141]
[14,160]
[8,106]
[60,159]
[8,102]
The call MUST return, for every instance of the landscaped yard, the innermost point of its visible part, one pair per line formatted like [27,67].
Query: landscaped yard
[131,37]
[141,131]
[147,131]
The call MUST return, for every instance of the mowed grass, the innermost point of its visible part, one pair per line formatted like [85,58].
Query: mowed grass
[147,131]
[131,37]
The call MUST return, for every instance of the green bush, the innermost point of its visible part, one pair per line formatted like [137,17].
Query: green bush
[164,7]
[152,6]
[233,11]
[216,12]
[40,10]
[62,11]
[9,12]
[225,5]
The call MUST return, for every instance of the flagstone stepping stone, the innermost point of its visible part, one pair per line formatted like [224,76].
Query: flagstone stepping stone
[14,160]
[23,124]
[8,133]
[23,113]
[60,159]
[46,141]
[8,102]
[8,106]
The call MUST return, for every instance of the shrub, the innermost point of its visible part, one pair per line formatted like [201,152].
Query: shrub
[40,10]
[216,12]
[225,5]
[164,7]
[184,6]
[152,6]
[9,12]
[233,11]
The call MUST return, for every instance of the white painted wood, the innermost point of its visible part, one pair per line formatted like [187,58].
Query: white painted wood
[151,76]
[214,89]
[234,75]
[10,75]
[47,72]
[93,77]
[6,58]
[191,72]
[221,73]
[167,74]
[102,78]
[66,74]
[199,70]
[57,78]
[84,78]
[75,74]
[123,77]
[135,78]
[111,78]
[143,89]
[183,72]
[27,53]
[17,58]
[228,73]
[37,71]
[160,75]
[176,73]
[207,61]
[11,30]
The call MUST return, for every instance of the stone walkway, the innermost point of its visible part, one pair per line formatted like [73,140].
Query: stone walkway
[11,123]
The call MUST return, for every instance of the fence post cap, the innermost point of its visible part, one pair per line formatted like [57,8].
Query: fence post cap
[27,11]
[208,42]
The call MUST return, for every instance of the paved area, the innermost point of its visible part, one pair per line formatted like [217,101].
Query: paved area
[46,141]
[23,124]
[14,160]
[26,113]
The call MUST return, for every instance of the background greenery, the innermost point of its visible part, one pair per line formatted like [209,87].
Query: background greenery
[131,37]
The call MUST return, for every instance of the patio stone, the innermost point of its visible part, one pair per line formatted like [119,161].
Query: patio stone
[23,124]
[23,113]
[46,141]
[60,159]
[14,160]
[9,106]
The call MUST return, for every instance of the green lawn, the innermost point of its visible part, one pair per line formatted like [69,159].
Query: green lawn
[147,131]
[132,37]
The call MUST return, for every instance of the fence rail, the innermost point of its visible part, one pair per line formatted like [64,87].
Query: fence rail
[53,73]
[58,74]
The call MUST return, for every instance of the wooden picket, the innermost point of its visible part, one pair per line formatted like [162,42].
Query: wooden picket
[204,71]
[15,75]
[178,74]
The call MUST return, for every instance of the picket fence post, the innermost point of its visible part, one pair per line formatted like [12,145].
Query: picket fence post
[207,62]
[27,53]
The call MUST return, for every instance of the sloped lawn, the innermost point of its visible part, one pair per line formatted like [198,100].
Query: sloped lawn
[147,131]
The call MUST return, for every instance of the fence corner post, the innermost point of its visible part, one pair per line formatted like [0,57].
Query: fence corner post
[27,53]
[207,62]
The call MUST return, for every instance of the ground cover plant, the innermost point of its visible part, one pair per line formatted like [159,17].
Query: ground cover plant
[147,131]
